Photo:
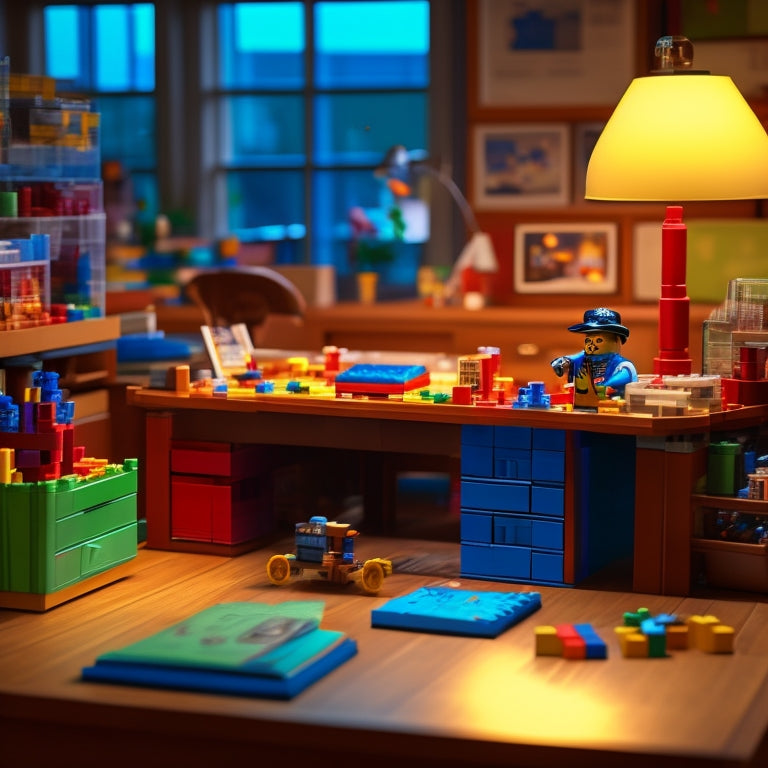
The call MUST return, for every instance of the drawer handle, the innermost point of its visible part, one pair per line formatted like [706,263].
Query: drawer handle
[528,350]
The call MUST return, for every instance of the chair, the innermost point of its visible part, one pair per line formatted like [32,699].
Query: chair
[246,295]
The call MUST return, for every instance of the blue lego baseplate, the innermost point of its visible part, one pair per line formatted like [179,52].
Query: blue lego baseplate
[456,611]
[370,373]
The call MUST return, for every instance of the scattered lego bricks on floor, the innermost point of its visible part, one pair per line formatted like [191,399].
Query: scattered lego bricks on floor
[571,641]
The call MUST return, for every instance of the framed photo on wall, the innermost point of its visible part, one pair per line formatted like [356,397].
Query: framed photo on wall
[542,53]
[522,165]
[566,258]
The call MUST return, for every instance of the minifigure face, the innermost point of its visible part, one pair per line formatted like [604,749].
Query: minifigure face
[601,343]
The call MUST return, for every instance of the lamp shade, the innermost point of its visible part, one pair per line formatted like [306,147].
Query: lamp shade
[680,137]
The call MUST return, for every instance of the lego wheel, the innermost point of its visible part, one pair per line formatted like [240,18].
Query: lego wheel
[373,576]
[278,569]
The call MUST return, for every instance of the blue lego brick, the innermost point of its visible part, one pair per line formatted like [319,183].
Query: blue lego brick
[456,611]
[546,566]
[595,645]
[511,464]
[547,500]
[476,527]
[477,434]
[492,561]
[548,466]
[512,437]
[373,373]
[496,495]
[547,534]
[477,460]
[508,529]
[548,439]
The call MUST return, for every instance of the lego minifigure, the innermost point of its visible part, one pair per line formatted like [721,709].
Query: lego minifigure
[599,371]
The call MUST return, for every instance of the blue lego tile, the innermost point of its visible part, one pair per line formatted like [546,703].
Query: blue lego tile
[508,529]
[547,500]
[595,645]
[494,561]
[496,495]
[512,437]
[476,434]
[456,611]
[511,464]
[547,567]
[477,460]
[548,466]
[373,373]
[547,534]
[476,527]
[548,439]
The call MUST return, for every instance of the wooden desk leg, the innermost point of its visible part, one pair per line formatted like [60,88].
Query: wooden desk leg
[650,494]
[157,473]
[682,471]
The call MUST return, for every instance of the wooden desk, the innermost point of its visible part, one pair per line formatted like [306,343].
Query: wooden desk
[529,337]
[664,475]
[405,699]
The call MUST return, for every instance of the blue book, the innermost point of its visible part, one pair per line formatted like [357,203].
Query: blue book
[251,649]
[456,611]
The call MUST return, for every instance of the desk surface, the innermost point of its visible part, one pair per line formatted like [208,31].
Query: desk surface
[406,696]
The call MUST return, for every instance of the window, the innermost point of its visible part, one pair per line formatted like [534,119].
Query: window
[286,110]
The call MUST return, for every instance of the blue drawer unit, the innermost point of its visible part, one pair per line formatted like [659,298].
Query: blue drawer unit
[513,504]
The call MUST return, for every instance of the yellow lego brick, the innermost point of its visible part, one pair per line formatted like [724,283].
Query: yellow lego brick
[633,643]
[547,641]
[716,638]
[696,624]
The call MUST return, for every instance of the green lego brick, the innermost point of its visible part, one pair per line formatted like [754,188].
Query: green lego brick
[86,525]
[80,494]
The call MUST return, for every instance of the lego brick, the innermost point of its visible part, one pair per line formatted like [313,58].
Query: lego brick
[547,534]
[508,529]
[547,567]
[496,495]
[456,611]
[632,642]
[717,639]
[512,437]
[548,439]
[495,561]
[595,647]
[574,646]
[477,460]
[511,464]
[477,434]
[548,466]
[657,638]
[547,500]
[476,527]
[548,643]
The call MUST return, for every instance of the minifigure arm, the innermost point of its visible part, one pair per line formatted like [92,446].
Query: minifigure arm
[560,365]
[622,375]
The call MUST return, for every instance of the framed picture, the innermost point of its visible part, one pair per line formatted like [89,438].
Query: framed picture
[542,53]
[584,140]
[522,166]
[565,258]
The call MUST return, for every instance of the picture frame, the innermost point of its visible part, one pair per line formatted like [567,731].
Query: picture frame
[584,140]
[566,258]
[524,165]
[541,53]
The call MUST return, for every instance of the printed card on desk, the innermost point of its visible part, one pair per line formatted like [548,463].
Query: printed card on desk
[252,649]
[229,348]
[456,611]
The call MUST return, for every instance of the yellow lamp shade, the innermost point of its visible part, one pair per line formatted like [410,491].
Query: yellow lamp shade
[680,137]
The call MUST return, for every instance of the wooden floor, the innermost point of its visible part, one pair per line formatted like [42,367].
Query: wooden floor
[406,697]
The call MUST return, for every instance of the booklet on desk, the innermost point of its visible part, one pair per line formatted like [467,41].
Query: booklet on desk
[250,649]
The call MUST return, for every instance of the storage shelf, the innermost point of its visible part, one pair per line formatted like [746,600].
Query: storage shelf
[44,338]
[751,506]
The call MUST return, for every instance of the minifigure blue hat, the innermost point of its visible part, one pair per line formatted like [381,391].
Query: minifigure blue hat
[602,319]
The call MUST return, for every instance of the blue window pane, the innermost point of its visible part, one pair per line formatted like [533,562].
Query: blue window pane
[128,130]
[372,45]
[360,128]
[261,45]
[266,205]
[101,47]
[62,43]
[263,130]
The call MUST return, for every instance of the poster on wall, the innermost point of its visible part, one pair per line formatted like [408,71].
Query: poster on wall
[545,53]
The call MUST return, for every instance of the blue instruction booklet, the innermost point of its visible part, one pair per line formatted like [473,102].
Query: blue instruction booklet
[456,611]
[251,649]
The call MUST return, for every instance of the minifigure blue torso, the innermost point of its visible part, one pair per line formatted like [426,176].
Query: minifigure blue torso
[608,370]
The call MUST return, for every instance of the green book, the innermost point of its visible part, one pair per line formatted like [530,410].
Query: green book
[245,648]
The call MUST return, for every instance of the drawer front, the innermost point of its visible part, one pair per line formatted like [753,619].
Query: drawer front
[503,497]
[83,526]
[496,562]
